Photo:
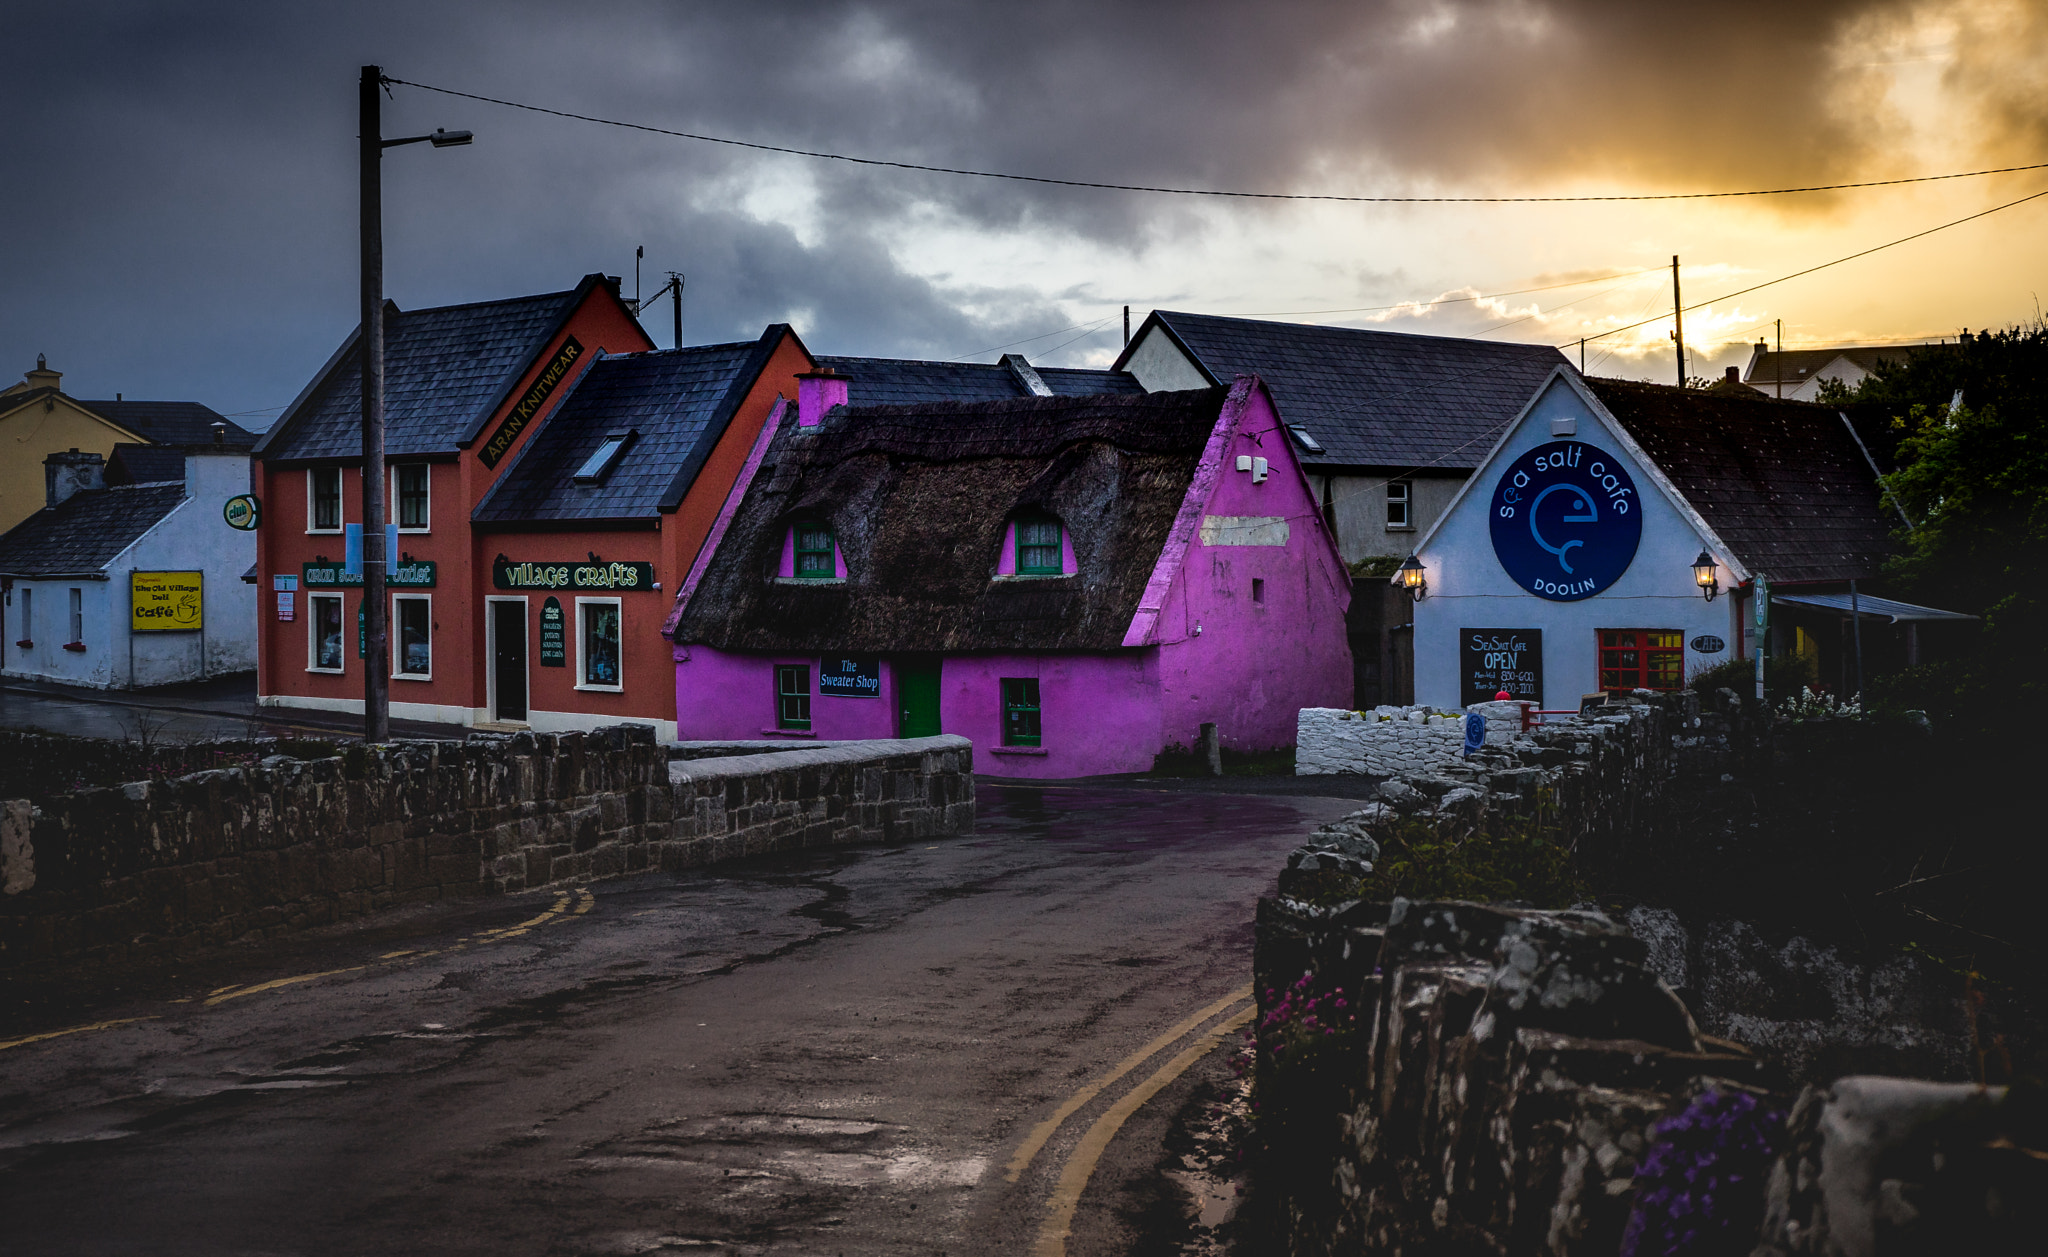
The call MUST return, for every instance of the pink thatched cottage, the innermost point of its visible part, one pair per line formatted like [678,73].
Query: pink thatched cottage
[1074,583]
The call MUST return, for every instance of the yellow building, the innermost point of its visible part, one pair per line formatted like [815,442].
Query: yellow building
[38,419]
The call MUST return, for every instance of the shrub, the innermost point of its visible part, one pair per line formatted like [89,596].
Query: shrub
[1514,858]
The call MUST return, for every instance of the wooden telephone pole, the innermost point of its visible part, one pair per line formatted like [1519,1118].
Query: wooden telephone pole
[1678,314]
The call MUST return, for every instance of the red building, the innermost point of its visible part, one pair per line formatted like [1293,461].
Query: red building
[551,477]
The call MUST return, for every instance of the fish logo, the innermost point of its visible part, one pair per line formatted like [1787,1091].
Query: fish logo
[1585,513]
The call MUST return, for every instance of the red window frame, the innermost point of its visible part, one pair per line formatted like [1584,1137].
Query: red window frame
[1641,659]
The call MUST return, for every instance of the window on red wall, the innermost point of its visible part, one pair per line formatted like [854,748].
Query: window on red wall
[1642,659]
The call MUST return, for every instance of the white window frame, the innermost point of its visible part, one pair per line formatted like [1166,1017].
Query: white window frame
[313,633]
[1405,500]
[391,503]
[582,638]
[491,651]
[398,647]
[340,501]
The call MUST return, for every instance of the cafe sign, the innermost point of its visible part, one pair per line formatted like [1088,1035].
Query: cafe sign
[408,574]
[1494,659]
[165,602]
[599,577]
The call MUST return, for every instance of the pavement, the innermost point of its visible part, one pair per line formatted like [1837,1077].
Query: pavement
[219,707]
[969,1046]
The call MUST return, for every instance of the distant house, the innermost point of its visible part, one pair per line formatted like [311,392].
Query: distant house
[1569,559]
[1073,582]
[1387,425]
[38,418]
[134,584]
[1796,374]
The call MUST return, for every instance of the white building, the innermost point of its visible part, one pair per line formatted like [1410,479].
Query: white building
[130,585]
[1566,566]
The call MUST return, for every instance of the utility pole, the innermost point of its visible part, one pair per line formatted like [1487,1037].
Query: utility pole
[1781,359]
[1678,314]
[376,644]
[1582,355]
[1127,326]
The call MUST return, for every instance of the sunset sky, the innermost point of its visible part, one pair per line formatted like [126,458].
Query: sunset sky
[180,221]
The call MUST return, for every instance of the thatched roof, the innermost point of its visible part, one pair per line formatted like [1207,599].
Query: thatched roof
[918,497]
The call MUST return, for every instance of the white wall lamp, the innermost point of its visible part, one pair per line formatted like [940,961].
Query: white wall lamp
[1703,575]
[1412,578]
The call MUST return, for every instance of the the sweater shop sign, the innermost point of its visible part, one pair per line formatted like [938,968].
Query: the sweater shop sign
[1494,659]
[1566,520]
[850,676]
[405,574]
[598,577]
[530,402]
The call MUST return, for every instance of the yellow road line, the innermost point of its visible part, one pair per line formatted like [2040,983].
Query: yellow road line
[272,986]
[513,931]
[1052,1238]
[58,1034]
[1044,1130]
[586,902]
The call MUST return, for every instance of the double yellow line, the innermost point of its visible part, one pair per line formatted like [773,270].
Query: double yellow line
[567,904]
[1081,1163]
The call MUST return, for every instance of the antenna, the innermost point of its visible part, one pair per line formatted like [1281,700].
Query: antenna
[675,281]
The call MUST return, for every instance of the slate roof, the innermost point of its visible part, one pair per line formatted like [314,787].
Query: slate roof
[172,423]
[1372,398]
[906,382]
[679,401]
[145,464]
[445,370]
[1781,482]
[86,531]
[919,496]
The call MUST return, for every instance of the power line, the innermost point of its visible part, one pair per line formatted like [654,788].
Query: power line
[1443,301]
[1257,196]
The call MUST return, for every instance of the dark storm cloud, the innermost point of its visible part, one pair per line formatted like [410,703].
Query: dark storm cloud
[181,217]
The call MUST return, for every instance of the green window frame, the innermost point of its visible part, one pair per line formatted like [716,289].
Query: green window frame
[792,696]
[815,552]
[1039,548]
[1020,712]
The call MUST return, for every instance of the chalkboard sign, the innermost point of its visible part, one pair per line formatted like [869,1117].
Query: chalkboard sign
[554,642]
[1494,659]
[850,676]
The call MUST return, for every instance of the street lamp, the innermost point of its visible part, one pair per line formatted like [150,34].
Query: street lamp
[1411,577]
[1703,575]
[376,644]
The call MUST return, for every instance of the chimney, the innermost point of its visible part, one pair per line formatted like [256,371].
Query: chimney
[42,376]
[1732,376]
[69,473]
[1026,375]
[817,392]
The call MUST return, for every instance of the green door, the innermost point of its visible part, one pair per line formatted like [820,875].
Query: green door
[917,698]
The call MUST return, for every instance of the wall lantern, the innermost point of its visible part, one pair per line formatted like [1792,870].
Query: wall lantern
[1703,575]
[1411,578]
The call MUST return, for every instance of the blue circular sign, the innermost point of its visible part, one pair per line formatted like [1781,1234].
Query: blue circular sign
[1566,520]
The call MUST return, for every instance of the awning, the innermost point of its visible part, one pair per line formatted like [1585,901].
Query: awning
[1879,608]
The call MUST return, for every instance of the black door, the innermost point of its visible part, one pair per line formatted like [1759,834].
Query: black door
[508,663]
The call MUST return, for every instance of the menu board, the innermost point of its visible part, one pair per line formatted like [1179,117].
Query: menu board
[554,643]
[1494,659]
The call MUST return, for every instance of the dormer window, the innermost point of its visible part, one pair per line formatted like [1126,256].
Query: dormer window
[606,456]
[814,553]
[1039,546]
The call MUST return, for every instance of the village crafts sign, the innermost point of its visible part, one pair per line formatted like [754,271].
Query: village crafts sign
[530,404]
[599,576]
[1566,520]
[1494,659]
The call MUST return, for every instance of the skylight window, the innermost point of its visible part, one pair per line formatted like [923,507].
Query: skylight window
[1308,442]
[600,463]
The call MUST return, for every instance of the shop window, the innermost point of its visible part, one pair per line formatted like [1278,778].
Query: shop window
[597,644]
[1642,659]
[323,629]
[77,617]
[1038,546]
[409,489]
[792,696]
[413,616]
[323,499]
[814,553]
[1400,497]
[1020,711]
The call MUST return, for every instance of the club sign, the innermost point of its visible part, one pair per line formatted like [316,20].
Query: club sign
[1566,520]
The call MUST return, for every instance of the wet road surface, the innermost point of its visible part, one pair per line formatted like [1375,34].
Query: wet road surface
[843,1053]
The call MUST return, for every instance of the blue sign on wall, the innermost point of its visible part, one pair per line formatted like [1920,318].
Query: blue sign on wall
[1566,520]
[850,676]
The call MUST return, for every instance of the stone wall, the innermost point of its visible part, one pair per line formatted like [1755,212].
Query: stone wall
[282,843]
[1387,740]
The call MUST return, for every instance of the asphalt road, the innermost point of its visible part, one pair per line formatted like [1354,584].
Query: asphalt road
[854,1052]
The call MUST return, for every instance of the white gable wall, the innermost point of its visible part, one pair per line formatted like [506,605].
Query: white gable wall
[1468,587]
[1159,366]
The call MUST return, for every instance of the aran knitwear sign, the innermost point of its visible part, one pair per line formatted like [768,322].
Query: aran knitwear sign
[530,402]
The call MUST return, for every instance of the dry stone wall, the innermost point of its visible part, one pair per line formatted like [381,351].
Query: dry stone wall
[1388,740]
[283,843]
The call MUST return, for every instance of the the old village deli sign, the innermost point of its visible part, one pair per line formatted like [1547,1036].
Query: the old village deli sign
[595,577]
[530,404]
